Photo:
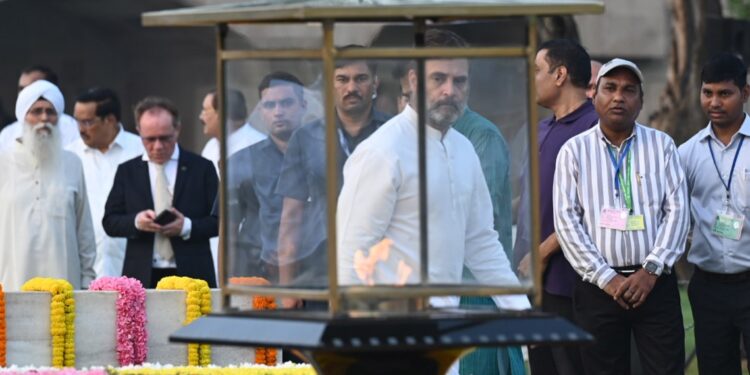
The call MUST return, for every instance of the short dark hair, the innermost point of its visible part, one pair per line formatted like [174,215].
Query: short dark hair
[237,106]
[443,38]
[571,55]
[371,64]
[281,78]
[725,67]
[434,38]
[106,101]
[49,74]
[150,102]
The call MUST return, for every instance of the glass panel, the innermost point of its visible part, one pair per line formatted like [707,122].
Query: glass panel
[472,200]
[276,176]
[274,36]
[277,188]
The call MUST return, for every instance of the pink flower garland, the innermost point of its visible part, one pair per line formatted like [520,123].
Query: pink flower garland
[132,337]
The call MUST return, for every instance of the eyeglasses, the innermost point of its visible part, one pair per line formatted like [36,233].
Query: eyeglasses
[37,112]
[283,103]
[161,138]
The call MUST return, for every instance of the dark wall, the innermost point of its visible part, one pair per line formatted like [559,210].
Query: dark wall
[102,43]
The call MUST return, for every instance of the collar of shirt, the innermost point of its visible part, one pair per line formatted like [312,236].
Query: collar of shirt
[576,114]
[601,135]
[118,141]
[431,133]
[175,155]
[708,132]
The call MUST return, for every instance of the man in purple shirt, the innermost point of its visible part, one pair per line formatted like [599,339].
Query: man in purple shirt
[562,75]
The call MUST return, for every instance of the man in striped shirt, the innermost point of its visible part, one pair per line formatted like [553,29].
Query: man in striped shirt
[621,217]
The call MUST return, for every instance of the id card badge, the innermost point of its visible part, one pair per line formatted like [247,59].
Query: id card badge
[636,222]
[614,218]
[728,226]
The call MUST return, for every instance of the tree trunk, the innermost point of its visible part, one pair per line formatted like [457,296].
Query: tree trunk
[679,112]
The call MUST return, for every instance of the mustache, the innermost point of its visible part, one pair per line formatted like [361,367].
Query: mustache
[46,126]
[353,95]
[447,102]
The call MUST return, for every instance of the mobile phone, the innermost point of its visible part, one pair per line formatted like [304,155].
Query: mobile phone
[165,217]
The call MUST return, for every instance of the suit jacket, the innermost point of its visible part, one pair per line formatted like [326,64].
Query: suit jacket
[195,190]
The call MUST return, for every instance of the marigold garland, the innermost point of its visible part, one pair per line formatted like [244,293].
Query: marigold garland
[197,304]
[132,336]
[3,337]
[265,356]
[62,318]
[155,369]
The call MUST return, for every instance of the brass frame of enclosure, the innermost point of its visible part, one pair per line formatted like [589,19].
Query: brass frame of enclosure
[385,13]
[328,54]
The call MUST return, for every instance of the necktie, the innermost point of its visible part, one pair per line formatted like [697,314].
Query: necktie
[162,201]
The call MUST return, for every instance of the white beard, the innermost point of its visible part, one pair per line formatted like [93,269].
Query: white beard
[43,147]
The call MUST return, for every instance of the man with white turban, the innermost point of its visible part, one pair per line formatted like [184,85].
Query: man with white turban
[45,224]
[67,124]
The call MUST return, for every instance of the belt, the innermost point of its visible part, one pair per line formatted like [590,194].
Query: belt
[724,277]
[629,270]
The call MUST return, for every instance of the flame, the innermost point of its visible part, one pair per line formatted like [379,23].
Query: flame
[364,265]
[403,272]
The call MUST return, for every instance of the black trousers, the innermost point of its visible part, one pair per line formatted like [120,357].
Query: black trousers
[556,360]
[721,311]
[656,326]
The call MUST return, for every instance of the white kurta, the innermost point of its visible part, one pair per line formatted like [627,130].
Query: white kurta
[99,172]
[243,137]
[68,132]
[45,226]
[380,199]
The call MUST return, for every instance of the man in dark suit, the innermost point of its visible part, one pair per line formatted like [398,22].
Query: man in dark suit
[165,178]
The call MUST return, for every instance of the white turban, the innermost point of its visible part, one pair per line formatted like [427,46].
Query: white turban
[39,89]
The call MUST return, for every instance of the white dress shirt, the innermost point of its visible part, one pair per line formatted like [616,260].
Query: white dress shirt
[380,199]
[45,223]
[170,169]
[68,132]
[243,137]
[99,172]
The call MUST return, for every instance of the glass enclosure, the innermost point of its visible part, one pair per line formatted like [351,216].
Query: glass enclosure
[475,143]
[396,162]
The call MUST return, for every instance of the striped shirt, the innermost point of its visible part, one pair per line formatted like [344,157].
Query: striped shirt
[584,184]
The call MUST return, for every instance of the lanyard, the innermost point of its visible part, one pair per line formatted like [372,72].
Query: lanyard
[727,184]
[623,178]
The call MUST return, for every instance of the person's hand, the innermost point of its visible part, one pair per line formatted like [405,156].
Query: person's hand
[174,228]
[636,288]
[524,266]
[613,286]
[144,221]
[291,303]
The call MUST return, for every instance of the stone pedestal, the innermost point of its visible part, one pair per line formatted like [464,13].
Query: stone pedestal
[29,341]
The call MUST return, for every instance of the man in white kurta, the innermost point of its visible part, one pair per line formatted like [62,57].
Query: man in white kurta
[380,199]
[45,224]
[66,124]
[102,146]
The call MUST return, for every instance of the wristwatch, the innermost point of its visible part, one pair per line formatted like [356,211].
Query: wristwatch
[652,268]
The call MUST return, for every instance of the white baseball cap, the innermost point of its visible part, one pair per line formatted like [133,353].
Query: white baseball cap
[619,63]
